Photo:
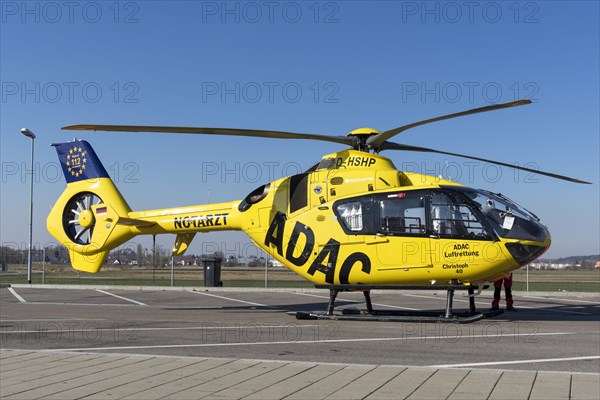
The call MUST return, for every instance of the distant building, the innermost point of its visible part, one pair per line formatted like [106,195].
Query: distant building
[547,265]
[277,263]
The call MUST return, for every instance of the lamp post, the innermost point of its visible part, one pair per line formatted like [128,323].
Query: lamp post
[266,269]
[30,135]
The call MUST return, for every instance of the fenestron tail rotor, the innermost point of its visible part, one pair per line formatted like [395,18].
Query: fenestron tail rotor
[78,217]
[365,139]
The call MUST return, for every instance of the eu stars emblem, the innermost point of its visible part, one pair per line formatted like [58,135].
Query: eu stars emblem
[76,161]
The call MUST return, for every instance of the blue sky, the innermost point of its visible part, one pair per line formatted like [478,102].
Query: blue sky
[314,67]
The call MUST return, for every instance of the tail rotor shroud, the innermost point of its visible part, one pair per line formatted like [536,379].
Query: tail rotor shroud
[78,217]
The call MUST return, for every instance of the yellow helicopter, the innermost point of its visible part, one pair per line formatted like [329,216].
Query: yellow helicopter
[350,222]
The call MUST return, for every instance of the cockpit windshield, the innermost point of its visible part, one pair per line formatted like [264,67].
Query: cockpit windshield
[507,218]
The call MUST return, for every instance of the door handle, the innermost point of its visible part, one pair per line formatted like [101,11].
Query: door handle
[377,239]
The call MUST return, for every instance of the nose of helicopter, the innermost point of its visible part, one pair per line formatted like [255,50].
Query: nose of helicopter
[525,251]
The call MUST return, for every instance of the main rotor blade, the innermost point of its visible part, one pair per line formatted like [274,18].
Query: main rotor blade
[376,141]
[213,131]
[397,146]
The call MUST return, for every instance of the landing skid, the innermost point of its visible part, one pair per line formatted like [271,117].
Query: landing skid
[370,314]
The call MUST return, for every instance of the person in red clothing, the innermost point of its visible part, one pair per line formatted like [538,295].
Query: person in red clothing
[508,293]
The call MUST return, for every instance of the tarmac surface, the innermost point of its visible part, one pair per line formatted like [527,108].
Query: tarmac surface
[230,343]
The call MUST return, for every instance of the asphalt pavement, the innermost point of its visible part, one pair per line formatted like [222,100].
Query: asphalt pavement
[115,342]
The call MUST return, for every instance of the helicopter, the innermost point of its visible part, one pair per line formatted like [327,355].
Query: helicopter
[351,222]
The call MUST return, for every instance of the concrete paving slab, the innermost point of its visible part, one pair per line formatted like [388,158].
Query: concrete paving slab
[476,385]
[17,365]
[127,382]
[403,384]
[514,385]
[332,383]
[192,376]
[366,384]
[92,384]
[49,375]
[585,387]
[243,389]
[295,383]
[550,386]
[61,380]
[22,355]
[251,370]
[53,365]
[440,385]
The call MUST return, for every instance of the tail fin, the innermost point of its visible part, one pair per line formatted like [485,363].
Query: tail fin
[90,217]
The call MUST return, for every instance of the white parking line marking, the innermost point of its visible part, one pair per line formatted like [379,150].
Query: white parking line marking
[271,343]
[484,364]
[22,300]
[50,319]
[50,303]
[208,327]
[555,311]
[121,297]
[239,301]
[551,298]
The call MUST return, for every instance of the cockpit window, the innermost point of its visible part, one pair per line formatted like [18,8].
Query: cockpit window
[451,216]
[508,219]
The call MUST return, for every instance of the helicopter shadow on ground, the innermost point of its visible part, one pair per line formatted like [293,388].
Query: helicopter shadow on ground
[550,310]
[560,313]
[316,306]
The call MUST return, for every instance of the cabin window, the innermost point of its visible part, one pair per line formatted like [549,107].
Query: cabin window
[450,216]
[355,215]
[402,213]
[351,215]
[298,192]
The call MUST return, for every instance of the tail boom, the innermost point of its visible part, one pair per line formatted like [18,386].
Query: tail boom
[91,217]
[201,218]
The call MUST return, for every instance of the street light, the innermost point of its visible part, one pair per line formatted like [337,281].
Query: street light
[30,135]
